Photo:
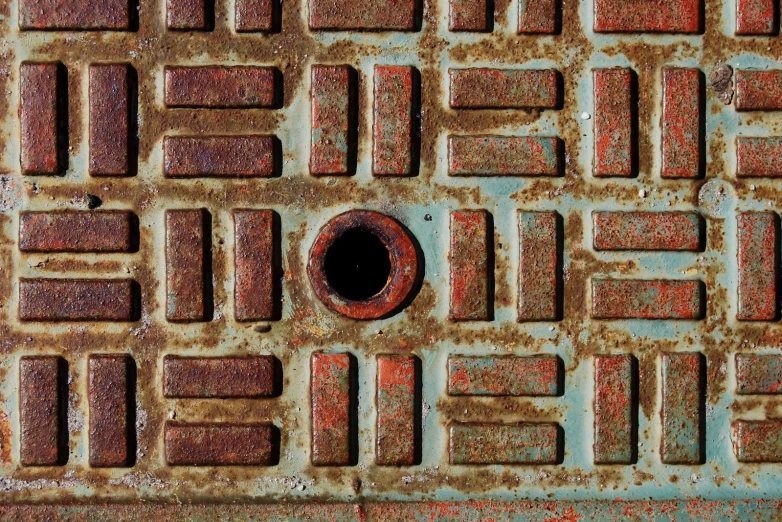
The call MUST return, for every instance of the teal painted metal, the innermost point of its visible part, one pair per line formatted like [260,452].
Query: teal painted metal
[758,374]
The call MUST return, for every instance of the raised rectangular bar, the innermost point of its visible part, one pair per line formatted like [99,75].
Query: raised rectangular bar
[670,16]
[108,390]
[40,116]
[758,157]
[219,444]
[614,402]
[500,376]
[523,443]
[331,409]
[757,441]
[538,266]
[469,258]
[758,234]
[613,130]
[331,147]
[504,156]
[504,88]
[77,15]
[186,237]
[218,377]
[254,264]
[682,405]
[758,90]
[396,409]
[647,299]
[646,231]
[537,16]
[219,156]
[758,374]
[110,86]
[347,15]
[76,231]
[255,16]
[76,299]
[469,15]
[755,17]
[39,410]
[392,152]
[187,15]
[681,125]
[215,87]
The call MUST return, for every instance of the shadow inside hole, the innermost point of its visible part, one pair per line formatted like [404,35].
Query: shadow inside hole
[358,265]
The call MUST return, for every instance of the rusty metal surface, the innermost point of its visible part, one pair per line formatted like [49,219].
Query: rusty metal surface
[109,401]
[371,260]
[223,377]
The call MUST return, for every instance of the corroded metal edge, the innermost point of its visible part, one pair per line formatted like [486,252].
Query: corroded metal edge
[701,510]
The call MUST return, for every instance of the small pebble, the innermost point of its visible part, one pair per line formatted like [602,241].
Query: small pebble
[642,193]
[585,116]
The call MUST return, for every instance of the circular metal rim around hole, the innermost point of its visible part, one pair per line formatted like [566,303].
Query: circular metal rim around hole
[402,253]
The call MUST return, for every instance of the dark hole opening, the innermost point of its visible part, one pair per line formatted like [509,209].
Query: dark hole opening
[357,265]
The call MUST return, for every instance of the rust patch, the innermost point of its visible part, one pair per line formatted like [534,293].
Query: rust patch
[110,120]
[76,300]
[109,400]
[219,156]
[41,118]
[470,271]
[39,410]
[218,444]
[186,260]
[76,14]
[221,87]
[256,283]
[331,409]
[103,231]
[218,377]
[398,440]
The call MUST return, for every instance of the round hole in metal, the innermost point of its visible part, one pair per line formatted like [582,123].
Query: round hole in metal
[347,265]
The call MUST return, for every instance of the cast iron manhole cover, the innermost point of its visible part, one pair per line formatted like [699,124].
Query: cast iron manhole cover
[390,259]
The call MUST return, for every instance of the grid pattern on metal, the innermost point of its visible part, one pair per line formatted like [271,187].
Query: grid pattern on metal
[579,201]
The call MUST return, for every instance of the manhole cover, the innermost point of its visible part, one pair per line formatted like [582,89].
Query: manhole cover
[390,259]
